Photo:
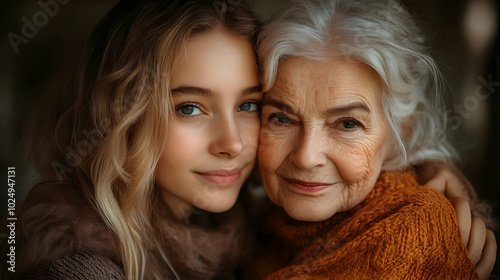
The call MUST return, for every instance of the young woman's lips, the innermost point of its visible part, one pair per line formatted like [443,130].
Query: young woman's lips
[221,177]
[307,187]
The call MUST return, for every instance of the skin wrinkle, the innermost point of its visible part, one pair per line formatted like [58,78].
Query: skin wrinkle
[315,147]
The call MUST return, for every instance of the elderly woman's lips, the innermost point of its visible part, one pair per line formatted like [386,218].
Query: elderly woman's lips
[307,187]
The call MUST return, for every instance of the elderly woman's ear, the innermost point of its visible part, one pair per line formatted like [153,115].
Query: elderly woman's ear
[406,127]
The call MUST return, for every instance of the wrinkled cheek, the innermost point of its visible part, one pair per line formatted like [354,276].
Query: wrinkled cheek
[266,142]
[264,135]
[357,164]
[269,157]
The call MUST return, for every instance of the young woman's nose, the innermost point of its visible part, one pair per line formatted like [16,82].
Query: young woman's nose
[309,149]
[227,140]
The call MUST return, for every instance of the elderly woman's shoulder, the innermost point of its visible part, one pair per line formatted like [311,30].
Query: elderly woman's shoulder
[420,228]
[57,219]
[401,200]
[402,188]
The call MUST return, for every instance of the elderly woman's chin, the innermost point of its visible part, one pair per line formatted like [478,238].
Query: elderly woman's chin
[311,202]
[316,208]
[306,211]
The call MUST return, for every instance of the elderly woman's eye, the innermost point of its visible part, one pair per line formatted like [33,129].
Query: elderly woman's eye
[279,118]
[349,124]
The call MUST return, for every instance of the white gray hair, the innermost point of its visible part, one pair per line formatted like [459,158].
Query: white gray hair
[383,35]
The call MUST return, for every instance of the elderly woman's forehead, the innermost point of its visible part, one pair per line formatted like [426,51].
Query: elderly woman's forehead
[323,65]
[332,74]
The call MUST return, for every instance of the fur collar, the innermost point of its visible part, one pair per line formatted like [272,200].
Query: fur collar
[56,219]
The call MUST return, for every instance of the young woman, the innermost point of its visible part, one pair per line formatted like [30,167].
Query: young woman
[162,124]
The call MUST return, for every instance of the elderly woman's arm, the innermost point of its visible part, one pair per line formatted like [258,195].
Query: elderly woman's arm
[474,217]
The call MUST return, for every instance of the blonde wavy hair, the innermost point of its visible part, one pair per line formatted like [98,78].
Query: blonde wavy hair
[110,139]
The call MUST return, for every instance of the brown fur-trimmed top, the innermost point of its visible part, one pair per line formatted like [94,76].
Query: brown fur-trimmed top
[56,219]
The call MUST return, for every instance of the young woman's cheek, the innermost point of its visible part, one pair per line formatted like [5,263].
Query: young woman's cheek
[187,135]
[249,129]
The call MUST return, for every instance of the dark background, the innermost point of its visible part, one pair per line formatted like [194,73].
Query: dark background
[464,35]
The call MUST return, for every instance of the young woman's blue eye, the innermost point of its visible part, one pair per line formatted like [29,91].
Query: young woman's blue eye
[189,110]
[248,106]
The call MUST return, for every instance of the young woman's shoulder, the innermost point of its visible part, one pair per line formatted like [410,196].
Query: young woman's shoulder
[57,219]
[78,265]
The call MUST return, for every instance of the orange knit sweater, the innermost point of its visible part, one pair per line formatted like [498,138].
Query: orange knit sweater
[401,231]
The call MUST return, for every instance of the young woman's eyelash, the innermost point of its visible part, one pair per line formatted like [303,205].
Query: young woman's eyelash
[178,109]
[257,103]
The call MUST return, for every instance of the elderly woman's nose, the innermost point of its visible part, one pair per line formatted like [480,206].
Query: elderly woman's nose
[309,150]
[226,138]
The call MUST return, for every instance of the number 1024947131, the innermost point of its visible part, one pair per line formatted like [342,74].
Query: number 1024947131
[11,191]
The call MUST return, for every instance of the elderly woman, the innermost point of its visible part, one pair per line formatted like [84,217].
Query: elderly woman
[353,102]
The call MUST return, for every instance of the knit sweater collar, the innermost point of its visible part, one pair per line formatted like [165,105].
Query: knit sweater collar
[297,234]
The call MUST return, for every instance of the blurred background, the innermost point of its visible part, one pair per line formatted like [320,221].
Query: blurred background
[41,42]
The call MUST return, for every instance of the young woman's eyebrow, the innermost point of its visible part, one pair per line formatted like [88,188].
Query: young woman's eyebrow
[250,90]
[187,90]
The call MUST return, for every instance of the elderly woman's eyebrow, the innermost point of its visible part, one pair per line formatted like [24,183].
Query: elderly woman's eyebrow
[348,107]
[278,104]
[187,90]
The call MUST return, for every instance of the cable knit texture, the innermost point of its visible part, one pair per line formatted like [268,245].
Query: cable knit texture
[80,265]
[401,231]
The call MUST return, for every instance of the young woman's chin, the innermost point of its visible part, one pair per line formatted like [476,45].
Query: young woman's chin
[217,202]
